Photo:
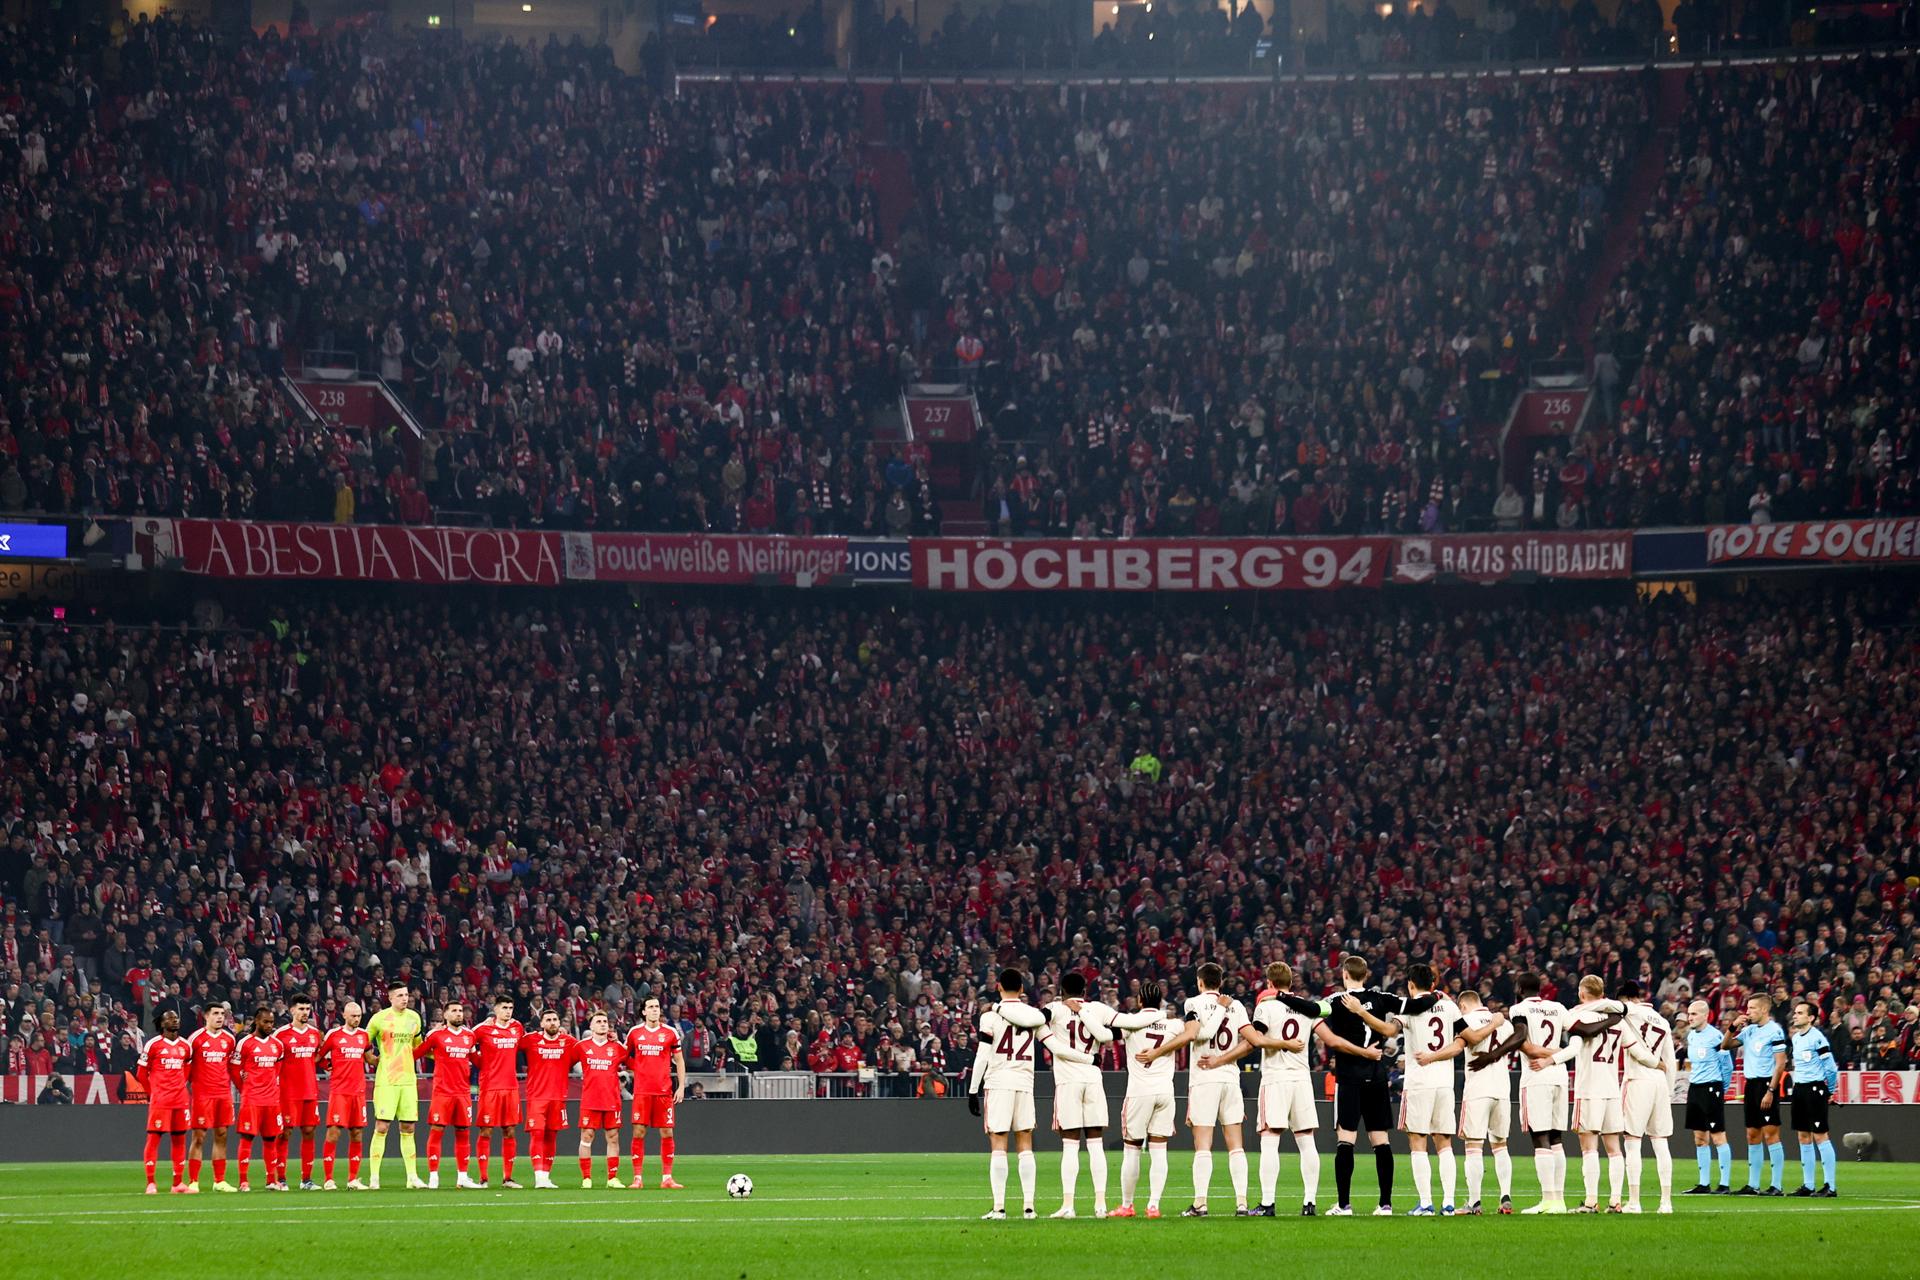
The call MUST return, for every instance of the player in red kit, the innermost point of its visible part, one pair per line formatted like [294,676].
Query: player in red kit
[210,1053]
[599,1056]
[653,1048]
[165,1062]
[344,1054]
[257,1071]
[300,1083]
[496,1043]
[451,1047]
[549,1062]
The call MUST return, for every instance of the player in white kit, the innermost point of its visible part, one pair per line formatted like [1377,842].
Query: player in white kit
[1147,1110]
[1594,1041]
[1484,1118]
[1647,1094]
[1541,1024]
[1214,1100]
[1079,1093]
[1001,1087]
[1427,1111]
[1281,1033]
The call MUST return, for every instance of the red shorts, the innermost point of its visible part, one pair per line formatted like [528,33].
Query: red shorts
[212,1113]
[445,1110]
[546,1113]
[653,1110]
[167,1119]
[262,1121]
[499,1109]
[595,1118]
[300,1113]
[347,1112]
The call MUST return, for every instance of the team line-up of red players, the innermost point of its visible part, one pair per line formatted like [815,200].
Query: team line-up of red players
[190,1083]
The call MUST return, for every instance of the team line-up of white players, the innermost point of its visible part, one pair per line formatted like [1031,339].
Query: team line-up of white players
[1622,1050]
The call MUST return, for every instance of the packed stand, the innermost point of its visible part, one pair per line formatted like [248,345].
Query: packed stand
[616,308]
[824,825]
[1758,352]
[1298,310]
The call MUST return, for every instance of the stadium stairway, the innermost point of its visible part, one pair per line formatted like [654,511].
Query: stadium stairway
[1623,230]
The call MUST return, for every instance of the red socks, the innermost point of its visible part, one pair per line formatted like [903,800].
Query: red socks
[326,1163]
[586,1167]
[306,1159]
[481,1151]
[193,1170]
[353,1156]
[246,1158]
[507,1153]
[152,1156]
[666,1156]
[613,1168]
[639,1154]
[220,1169]
[460,1149]
[179,1159]
[433,1150]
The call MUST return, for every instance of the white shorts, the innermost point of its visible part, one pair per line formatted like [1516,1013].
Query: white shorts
[1286,1106]
[1543,1107]
[1598,1115]
[1008,1111]
[1485,1117]
[1649,1110]
[1427,1109]
[1212,1105]
[1079,1106]
[1144,1116]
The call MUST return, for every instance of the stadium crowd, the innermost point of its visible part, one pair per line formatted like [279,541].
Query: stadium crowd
[816,826]
[1232,311]
[1770,307]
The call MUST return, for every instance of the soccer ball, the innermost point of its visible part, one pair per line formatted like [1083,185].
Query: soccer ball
[739,1186]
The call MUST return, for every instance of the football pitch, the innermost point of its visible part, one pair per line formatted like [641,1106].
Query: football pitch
[895,1215]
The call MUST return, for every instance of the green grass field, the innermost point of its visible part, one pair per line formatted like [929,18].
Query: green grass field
[905,1216]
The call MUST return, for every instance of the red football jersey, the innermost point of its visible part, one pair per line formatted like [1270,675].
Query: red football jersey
[260,1058]
[651,1054]
[498,1049]
[299,1079]
[346,1055]
[452,1054]
[212,1055]
[549,1062]
[599,1073]
[163,1069]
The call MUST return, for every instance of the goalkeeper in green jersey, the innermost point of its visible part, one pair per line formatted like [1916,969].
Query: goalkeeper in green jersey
[395,1032]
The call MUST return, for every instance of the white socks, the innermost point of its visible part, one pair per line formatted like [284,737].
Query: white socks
[1069,1170]
[1156,1172]
[1237,1170]
[1476,1172]
[1590,1175]
[1503,1170]
[1616,1174]
[1202,1175]
[1633,1163]
[1269,1166]
[1309,1167]
[1129,1173]
[1663,1165]
[1423,1178]
[1097,1166]
[1560,1172]
[1543,1168]
[1447,1182]
[997,1178]
[1028,1173]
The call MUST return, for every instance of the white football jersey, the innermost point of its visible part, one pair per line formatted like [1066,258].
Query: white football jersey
[1280,1021]
[1597,1059]
[1150,1077]
[1431,1032]
[1219,1030]
[1490,1081]
[1074,1030]
[1655,1037]
[1547,1027]
[1009,1046]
